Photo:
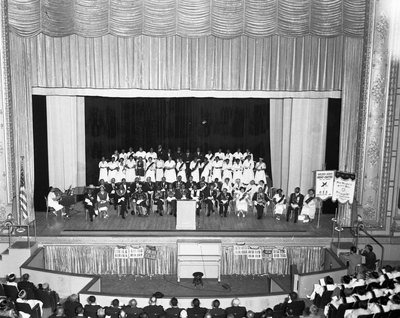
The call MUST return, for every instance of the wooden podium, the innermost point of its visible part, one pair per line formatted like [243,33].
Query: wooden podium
[186,215]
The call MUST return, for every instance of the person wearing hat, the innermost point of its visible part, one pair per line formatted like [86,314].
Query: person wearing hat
[154,310]
[260,171]
[10,280]
[22,298]
[7,310]
[89,201]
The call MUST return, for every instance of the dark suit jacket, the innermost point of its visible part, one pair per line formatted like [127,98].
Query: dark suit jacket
[26,284]
[91,310]
[70,307]
[237,311]
[149,187]
[196,311]
[217,312]
[132,311]
[297,306]
[154,310]
[173,312]
[292,199]
[134,186]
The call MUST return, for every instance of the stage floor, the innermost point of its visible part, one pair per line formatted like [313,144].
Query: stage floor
[163,226]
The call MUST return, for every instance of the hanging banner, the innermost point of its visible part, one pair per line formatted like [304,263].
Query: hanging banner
[324,184]
[344,186]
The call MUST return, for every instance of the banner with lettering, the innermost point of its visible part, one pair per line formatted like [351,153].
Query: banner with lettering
[344,187]
[324,181]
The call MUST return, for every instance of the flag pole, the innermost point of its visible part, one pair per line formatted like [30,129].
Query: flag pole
[23,207]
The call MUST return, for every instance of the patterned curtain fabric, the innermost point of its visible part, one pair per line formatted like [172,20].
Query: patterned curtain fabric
[188,18]
[99,260]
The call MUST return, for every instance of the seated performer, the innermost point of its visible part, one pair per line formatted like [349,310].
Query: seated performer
[195,195]
[171,202]
[149,187]
[163,186]
[242,202]
[178,183]
[309,206]
[260,200]
[122,200]
[206,197]
[224,199]
[103,166]
[103,202]
[140,200]
[111,190]
[190,183]
[133,188]
[53,199]
[159,199]
[279,200]
[295,204]
[90,201]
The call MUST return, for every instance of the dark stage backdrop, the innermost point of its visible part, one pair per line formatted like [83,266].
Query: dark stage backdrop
[208,123]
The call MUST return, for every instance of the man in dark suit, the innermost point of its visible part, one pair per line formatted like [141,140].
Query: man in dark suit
[153,310]
[196,310]
[174,310]
[199,155]
[236,310]
[90,310]
[178,183]
[216,311]
[132,309]
[113,310]
[206,197]
[295,204]
[178,154]
[79,312]
[293,303]
[111,189]
[161,153]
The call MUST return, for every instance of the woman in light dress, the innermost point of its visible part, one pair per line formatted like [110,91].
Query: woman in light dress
[159,169]
[248,173]
[103,166]
[120,171]
[279,200]
[242,202]
[217,169]
[195,169]
[227,170]
[206,170]
[170,172]
[237,169]
[150,170]
[260,171]
[309,206]
[181,169]
[130,167]
[112,169]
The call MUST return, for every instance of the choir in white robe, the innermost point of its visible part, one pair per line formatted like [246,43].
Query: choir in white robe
[159,169]
[103,166]
[195,170]
[260,172]
[248,173]
[217,170]
[112,170]
[130,166]
[181,168]
[169,172]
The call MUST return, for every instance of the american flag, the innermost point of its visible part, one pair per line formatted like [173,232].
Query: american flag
[22,194]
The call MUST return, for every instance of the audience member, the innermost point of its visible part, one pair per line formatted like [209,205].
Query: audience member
[71,304]
[250,314]
[292,302]
[174,311]
[237,310]
[269,313]
[79,311]
[370,258]
[7,309]
[362,310]
[90,310]
[153,310]
[290,313]
[113,310]
[215,310]
[59,313]
[132,308]
[22,298]
[10,280]
[196,310]
[313,312]
[184,313]
[25,283]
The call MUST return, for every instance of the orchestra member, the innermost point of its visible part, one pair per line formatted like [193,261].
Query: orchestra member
[53,199]
[279,200]
[103,166]
[295,203]
[103,201]
[260,171]
[224,199]
[89,201]
[260,200]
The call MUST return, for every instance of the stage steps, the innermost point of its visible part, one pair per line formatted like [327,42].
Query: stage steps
[13,257]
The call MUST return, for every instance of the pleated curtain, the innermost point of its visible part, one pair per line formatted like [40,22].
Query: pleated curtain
[298,140]
[66,141]
[99,260]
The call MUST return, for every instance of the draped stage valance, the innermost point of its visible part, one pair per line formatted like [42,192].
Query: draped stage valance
[188,18]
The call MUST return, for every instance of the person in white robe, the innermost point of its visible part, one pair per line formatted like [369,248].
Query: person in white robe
[227,184]
[206,167]
[237,169]
[242,202]
[238,155]
[309,206]
[195,169]
[227,170]
[53,199]
[123,155]
[130,166]
[209,155]
[103,166]
[151,154]
[112,169]
[229,155]
[220,155]
[150,171]
[181,169]
[159,169]
[141,153]
[169,170]
[259,168]
[120,171]
[115,155]
[248,173]
[279,200]
[217,169]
